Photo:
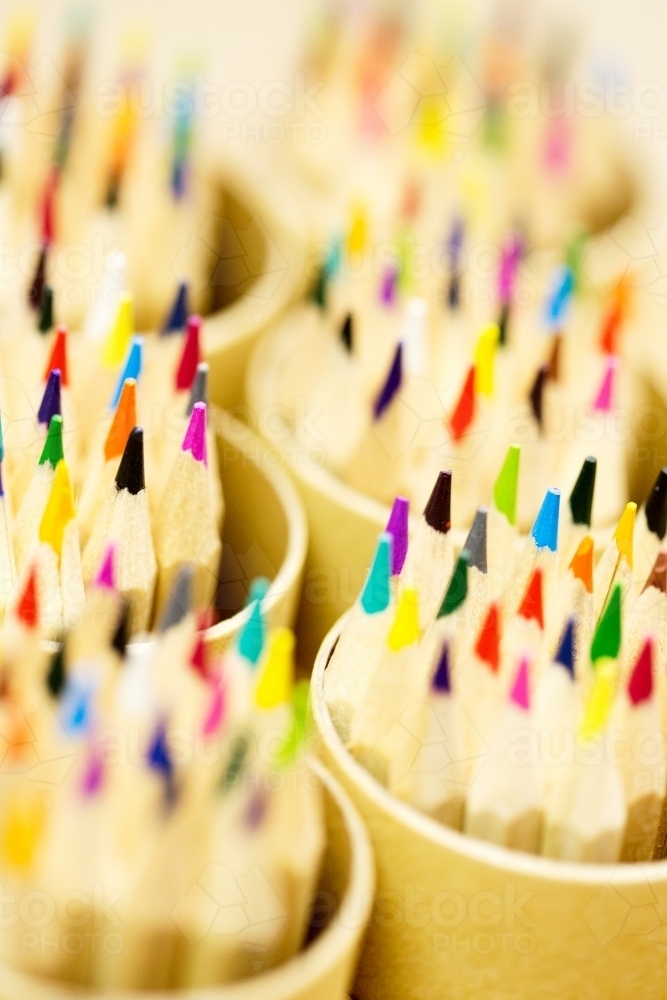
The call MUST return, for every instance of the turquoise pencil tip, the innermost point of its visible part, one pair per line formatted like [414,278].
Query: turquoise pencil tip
[545,529]
[376,594]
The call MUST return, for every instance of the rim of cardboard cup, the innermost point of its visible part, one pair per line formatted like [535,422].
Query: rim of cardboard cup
[315,973]
[435,833]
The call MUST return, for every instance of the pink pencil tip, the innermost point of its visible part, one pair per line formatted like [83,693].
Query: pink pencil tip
[106,574]
[216,710]
[520,693]
[604,399]
[195,436]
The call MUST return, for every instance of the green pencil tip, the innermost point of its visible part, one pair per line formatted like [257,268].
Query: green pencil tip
[581,497]
[457,588]
[52,451]
[506,486]
[607,638]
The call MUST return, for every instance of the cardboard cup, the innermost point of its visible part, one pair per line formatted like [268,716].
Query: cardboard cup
[458,917]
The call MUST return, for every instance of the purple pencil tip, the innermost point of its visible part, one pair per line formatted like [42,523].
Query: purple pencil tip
[195,436]
[392,384]
[106,575]
[388,286]
[397,526]
[92,779]
[50,405]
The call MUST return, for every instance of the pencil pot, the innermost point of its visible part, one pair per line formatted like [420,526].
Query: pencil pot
[265,531]
[457,917]
[324,967]
[258,267]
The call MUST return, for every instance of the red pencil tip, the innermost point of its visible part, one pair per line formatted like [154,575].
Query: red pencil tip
[27,610]
[488,642]
[190,358]
[531,605]
[464,411]
[640,685]
[58,356]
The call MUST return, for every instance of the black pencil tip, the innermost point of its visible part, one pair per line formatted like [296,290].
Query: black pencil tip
[656,506]
[130,475]
[55,679]
[581,497]
[346,332]
[122,633]
[537,394]
[438,510]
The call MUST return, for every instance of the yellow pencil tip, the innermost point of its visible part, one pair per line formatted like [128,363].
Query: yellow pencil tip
[120,334]
[625,531]
[601,700]
[356,239]
[276,680]
[405,627]
[485,352]
[59,509]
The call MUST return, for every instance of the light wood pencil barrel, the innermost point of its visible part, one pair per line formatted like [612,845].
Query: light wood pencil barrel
[462,918]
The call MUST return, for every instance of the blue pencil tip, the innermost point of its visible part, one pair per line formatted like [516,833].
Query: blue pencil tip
[131,369]
[50,405]
[377,589]
[545,529]
[179,312]
[565,652]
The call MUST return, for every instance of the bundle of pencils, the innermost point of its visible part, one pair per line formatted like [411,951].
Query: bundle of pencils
[156,799]
[414,366]
[80,471]
[98,176]
[529,711]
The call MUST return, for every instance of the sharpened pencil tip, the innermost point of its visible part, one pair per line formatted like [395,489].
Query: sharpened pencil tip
[179,603]
[582,563]
[607,637]
[545,529]
[475,543]
[442,682]
[391,385]
[52,452]
[565,652]
[487,646]
[199,391]
[506,485]
[397,526]
[376,595]
[624,533]
[130,475]
[457,588]
[656,506]
[520,692]
[50,405]
[195,436]
[178,313]
[106,574]
[190,356]
[531,605]
[438,510]
[658,576]
[581,497]
[640,685]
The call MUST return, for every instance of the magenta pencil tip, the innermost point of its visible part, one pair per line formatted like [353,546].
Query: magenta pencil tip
[520,693]
[604,399]
[106,574]
[195,436]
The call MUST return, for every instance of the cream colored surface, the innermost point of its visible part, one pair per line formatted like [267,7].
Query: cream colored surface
[459,918]
[322,971]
